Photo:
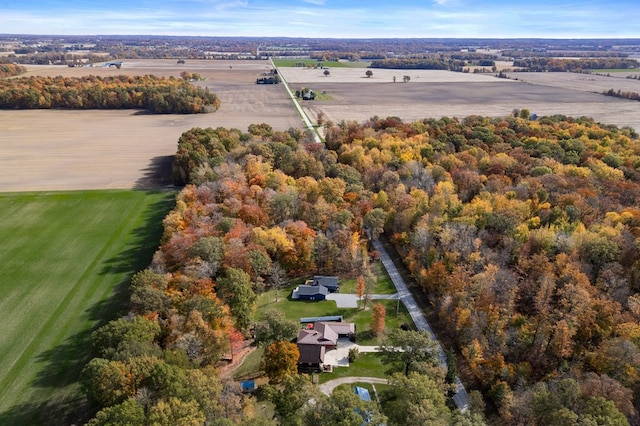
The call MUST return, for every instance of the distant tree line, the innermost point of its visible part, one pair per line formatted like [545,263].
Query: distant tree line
[634,96]
[155,94]
[53,57]
[574,65]
[9,70]
[335,56]
[415,64]
[481,59]
[559,54]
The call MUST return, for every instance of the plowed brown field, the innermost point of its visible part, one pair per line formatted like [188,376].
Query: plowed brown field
[61,150]
[350,95]
[57,150]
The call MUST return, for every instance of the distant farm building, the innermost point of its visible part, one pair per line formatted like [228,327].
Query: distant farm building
[270,77]
[306,94]
[117,64]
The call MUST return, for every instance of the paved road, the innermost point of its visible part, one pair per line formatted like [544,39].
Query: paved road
[328,387]
[461,398]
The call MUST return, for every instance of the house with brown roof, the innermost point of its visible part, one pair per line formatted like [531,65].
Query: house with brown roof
[313,343]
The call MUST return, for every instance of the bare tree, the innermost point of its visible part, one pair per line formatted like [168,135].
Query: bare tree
[277,277]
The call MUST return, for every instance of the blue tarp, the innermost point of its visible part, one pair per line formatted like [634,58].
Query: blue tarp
[363,393]
[248,386]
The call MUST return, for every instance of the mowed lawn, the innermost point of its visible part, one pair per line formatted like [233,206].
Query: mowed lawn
[65,262]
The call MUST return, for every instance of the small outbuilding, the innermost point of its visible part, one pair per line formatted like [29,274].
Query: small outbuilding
[328,318]
[117,64]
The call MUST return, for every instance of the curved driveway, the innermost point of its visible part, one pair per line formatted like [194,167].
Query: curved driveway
[328,387]
[461,398]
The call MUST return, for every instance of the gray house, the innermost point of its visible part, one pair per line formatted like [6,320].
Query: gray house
[310,292]
[331,283]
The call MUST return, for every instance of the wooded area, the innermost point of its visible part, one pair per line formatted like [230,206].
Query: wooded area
[574,65]
[9,70]
[523,235]
[154,94]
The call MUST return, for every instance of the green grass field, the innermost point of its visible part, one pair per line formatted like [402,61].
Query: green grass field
[66,258]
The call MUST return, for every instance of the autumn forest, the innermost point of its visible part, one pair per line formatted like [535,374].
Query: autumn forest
[521,235]
[154,94]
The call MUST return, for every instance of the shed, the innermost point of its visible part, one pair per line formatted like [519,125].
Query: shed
[336,318]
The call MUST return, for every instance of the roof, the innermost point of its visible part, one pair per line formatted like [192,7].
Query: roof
[311,354]
[318,319]
[317,337]
[325,333]
[327,281]
[310,290]
[363,393]
[340,328]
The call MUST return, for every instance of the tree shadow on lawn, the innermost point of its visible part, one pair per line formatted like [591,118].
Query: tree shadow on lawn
[63,365]
[136,257]
[64,362]
[61,369]
[144,239]
[53,413]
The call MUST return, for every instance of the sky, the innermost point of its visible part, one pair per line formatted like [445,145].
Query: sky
[326,18]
